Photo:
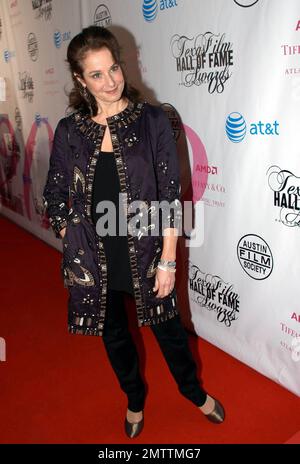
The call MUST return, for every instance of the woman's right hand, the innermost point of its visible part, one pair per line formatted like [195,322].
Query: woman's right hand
[62,232]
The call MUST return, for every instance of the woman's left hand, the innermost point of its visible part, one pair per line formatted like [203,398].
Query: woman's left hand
[164,282]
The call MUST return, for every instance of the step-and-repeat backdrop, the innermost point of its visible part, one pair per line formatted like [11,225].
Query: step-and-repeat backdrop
[227,73]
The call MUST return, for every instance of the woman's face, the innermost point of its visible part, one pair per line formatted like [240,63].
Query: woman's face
[102,76]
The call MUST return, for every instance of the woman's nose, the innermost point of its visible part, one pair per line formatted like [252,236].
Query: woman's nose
[110,81]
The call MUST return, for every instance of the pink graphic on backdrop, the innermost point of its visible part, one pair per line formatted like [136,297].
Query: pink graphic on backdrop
[9,156]
[29,152]
[200,163]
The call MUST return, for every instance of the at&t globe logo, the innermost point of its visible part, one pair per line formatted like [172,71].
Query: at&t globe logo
[235,127]
[6,56]
[57,39]
[150,8]
[60,37]
[38,119]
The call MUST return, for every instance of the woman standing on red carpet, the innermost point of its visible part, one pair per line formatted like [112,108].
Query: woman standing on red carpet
[116,148]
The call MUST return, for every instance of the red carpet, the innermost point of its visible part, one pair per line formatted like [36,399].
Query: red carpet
[59,388]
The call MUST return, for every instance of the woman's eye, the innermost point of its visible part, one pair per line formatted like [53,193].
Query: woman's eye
[115,67]
[96,75]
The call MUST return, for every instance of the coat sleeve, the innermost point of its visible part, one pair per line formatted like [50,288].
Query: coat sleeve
[56,190]
[167,173]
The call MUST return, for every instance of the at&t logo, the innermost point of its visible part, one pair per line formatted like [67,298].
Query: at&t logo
[8,54]
[236,127]
[151,7]
[59,37]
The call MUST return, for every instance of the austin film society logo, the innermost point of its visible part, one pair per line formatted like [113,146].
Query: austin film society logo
[213,294]
[245,3]
[286,195]
[102,16]
[205,59]
[255,256]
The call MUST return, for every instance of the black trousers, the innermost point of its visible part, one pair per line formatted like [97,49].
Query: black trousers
[123,355]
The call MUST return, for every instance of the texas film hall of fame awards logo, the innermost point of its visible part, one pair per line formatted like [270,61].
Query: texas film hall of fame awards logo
[286,195]
[42,9]
[213,294]
[203,59]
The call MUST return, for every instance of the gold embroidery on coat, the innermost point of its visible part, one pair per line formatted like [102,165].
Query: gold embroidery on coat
[78,176]
[71,277]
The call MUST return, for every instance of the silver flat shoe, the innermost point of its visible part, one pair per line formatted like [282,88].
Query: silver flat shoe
[217,415]
[133,429]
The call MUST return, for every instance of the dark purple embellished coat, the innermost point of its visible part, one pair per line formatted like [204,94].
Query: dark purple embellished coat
[148,169]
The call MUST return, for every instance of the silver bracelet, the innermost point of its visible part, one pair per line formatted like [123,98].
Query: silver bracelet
[164,262]
[166,268]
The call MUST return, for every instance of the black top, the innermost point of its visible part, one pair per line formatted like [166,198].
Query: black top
[107,187]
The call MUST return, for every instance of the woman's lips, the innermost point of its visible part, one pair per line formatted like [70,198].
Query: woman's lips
[112,91]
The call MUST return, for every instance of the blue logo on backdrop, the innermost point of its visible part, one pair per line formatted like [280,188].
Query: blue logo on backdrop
[59,37]
[8,54]
[236,128]
[150,8]
[38,119]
